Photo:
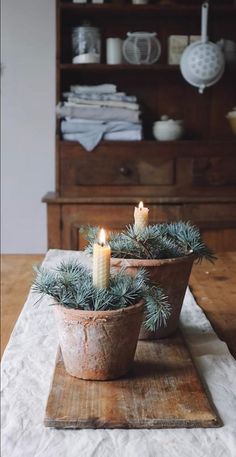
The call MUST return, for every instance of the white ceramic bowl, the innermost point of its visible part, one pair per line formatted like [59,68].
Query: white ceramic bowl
[168,130]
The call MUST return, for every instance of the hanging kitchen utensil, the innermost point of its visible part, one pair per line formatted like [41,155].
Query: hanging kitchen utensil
[202,63]
[141,48]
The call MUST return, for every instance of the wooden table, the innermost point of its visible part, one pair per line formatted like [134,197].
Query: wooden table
[16,279]
[214,287]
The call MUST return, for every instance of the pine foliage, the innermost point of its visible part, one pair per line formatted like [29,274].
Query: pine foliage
[158,241]
[70,284]
[157,309]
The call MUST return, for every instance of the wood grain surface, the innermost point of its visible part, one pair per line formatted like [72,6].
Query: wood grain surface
[162,391]
[215,296]
[214,288]
[16,279]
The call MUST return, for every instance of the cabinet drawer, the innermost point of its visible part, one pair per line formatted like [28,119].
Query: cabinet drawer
[121,165]
[214,171]
[110,216]
[211,214]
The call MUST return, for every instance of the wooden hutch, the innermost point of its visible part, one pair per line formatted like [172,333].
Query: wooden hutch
[192,179]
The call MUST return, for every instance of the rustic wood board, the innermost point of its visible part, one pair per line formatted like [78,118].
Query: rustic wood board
[162,391]
[214,288]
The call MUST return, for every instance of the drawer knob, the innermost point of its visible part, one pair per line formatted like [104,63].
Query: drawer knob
[125,171]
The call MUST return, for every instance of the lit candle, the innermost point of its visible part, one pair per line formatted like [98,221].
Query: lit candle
[101,261]
[140,217]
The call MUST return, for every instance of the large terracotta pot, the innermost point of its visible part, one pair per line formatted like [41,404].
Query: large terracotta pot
[98,345]
[172,275]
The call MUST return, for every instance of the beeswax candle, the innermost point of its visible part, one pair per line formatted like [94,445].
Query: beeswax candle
[140,217]
[101,261]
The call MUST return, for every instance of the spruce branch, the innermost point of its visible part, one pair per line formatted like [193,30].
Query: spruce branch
[139,239]
[189,235]
[157,241]
[70,284]
[157,309]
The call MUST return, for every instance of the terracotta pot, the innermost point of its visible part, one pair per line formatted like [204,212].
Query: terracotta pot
[98,345]
[172,275]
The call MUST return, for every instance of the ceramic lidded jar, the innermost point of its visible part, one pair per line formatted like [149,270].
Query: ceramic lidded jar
[168,129]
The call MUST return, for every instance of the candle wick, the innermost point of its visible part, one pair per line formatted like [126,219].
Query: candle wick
[102,244]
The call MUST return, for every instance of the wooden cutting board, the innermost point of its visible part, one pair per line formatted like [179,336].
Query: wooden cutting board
[163,390]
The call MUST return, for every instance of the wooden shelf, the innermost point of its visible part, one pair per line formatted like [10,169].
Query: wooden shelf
[106,68]
[102,67]
[158,9]
[55,198]
[191,148]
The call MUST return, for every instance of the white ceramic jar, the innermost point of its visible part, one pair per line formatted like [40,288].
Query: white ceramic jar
[168,129]
[114,51]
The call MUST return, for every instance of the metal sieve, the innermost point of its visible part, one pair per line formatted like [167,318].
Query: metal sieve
[202,63]
[141,48]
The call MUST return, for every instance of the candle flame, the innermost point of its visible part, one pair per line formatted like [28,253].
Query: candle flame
[140,205]
[102,237]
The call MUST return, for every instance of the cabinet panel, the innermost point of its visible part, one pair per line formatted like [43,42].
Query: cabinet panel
[111,217]
[65,233]
[214,171]
[221,215]
[220,240]
[113,166]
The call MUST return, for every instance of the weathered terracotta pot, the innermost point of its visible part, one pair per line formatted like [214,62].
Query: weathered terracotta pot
[172,275]
[98,345]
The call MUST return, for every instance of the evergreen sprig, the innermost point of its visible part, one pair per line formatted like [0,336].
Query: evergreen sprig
[157,309]
[158,241]
[70,284]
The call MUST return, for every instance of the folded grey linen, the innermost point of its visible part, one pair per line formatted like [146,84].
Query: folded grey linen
[99,89]
[103,113]
[98,103]
[89,138]
[118,96]
[125,135]
[83,126]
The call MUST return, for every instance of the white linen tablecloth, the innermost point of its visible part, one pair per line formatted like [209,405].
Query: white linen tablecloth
[27,368]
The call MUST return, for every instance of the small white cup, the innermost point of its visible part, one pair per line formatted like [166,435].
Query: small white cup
[114,51]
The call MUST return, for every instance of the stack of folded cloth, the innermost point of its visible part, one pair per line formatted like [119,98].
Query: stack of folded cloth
[93,113]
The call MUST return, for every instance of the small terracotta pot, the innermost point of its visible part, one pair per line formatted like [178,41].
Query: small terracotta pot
[98,345]
[172,275]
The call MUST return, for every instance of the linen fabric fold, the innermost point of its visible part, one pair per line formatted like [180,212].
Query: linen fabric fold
[101,113]
[83,125]
[98,89]
[97,103]
[118,96]
[96,112]
[90,134]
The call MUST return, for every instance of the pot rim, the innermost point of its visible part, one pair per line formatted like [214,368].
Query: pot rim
[153,262]
[93,314]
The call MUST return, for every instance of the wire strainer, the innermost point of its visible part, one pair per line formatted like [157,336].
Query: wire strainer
[141,48]
[202,63]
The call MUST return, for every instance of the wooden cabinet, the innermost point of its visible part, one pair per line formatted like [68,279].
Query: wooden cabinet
[192,179]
